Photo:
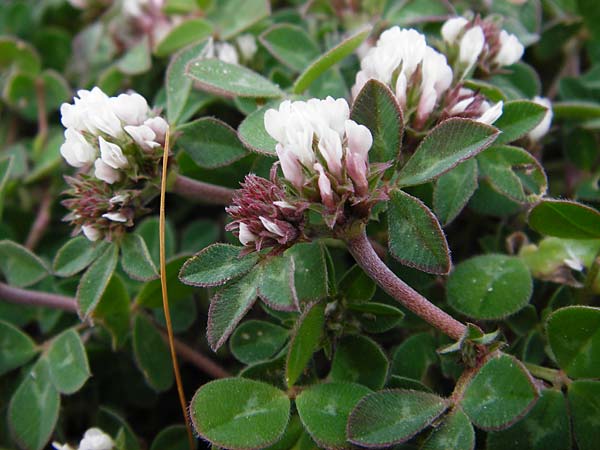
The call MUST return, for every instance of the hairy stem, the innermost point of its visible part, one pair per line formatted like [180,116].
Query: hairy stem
[367,258]
[201,191]
[20,296]
[40,94]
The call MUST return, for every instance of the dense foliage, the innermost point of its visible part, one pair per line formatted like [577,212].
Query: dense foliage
[382,225]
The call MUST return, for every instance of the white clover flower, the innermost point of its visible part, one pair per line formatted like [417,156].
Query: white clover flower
[245,235]
[452,28]
[490,113]
[318,141]
[76,150]
[96,439]
[247,45]
[399,53]
[471,46]
[104,172]
[227,53]
[542,128]
[112,155]
[159,126]
[93,234]
[143,135]
[272,226]
[131,109]
[511,50]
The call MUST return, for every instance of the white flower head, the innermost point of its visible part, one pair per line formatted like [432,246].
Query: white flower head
[96,439]
[452,28]
[76,150]
[542,128]
[112,155]
[511,50]
[96,112]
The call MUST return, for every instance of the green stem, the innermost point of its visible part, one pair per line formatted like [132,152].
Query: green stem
[201,191]
[554,376]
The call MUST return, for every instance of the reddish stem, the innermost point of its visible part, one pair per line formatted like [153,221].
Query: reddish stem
[201,191]
[367,258]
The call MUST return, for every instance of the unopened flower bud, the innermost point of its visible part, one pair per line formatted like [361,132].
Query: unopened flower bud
[96,439]
[131,109]
[542,128]
[330,147]
[115,217]
[90,232]
[511,50]
[245,235]
[143,136]
[471,46]
[324,187]
[452,28]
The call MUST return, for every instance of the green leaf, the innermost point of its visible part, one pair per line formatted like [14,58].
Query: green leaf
[275,288]
[490,286]
[391,417]
[20,266]
[216,265]
[411,12]
[416,238]
[546,427]
[5,170]
[453,190]
[576,110]
[456,433]
[177,84]
[328,59]
[94,281]
[240,413]
[33,408]
[324,410]
[376,317]
[230,80]
[229,306]
[67,359]
[199,234]
[210,143]
[306,338]
[310,272]
[499,394]
[574,337]
[376,107]
[565,219]
[447,145]
[356,286]
[359,359]
[137,60]
[16,347]
[513,172]
[256,340]
[413,357]
[185,33]
[152,354]
[231,17]
[584,406]
[18,55]
[518,118]
[113,310]
[173,437]
[135,258]
[291,45]
[150,294]
[253,134]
